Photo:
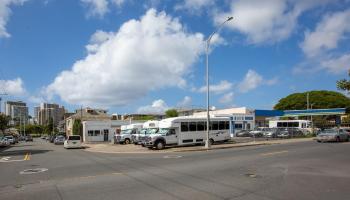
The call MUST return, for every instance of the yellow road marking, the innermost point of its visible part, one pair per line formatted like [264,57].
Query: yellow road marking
[27,156]
[273,153]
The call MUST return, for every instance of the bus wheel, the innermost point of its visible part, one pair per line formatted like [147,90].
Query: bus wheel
[127,141]
[211,141]
[159,145]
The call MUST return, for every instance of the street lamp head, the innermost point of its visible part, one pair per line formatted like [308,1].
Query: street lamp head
[229,18]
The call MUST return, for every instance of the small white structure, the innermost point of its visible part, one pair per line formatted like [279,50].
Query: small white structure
[97,131]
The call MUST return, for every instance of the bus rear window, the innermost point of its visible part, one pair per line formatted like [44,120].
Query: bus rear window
[74,137]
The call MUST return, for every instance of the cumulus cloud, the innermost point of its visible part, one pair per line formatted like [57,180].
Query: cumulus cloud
[253,80]
[337,65]
[12,87]
[5,12]
[328,33]
[157,107]
[98,8]
[266,21]
[143,55]
[226,98]
[185,102]
[219,88]
[98,38]
[194,5]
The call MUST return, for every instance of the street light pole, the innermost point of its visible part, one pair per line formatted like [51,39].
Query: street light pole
[207,144]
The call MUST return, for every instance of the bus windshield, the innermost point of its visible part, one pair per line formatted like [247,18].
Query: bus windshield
[152,131]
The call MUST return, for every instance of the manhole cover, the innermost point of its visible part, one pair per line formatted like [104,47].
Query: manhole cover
[33,171]
[172,156]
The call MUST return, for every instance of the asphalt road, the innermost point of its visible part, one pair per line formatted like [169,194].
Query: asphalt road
[304,170]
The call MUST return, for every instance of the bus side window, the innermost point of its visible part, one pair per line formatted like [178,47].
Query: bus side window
[184,126]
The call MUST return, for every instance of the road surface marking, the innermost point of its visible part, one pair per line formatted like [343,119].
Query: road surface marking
[7,159]
[27,156]
[273,153]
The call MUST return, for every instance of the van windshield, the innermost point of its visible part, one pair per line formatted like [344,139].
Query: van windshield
[152,131]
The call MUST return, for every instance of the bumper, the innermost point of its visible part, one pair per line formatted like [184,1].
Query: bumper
[325,139]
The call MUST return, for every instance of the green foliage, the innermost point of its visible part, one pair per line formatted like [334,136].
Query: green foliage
[77,127]
[344,84]
[4,121]
[171,113]
[319,99]
[144,118]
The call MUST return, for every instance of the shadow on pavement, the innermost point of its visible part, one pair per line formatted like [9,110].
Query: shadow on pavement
[22,152]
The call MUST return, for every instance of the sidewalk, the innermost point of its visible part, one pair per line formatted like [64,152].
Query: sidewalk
[138,149]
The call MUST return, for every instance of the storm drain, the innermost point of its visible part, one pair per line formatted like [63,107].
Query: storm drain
[33,171]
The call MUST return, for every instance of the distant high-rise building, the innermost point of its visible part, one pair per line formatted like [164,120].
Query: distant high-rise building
[47,112]
[18,111]
[36,114]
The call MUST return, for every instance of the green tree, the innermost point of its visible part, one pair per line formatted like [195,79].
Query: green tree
[4,121]
[344,84]
[318,99]
[77,127]
[171,113]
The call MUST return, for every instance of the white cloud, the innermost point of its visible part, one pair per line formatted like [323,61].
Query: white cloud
[266,21]
[158,107]
[12,87]
[194,5]
[328,33]
[253,80]
[144,55]
[226,98]
[5,13]
[337,65]
[97,8]
[219,88]
[185,102]
[98,38]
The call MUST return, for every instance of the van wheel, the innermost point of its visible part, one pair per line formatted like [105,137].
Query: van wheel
[211,141]
[127,141]
[159,145]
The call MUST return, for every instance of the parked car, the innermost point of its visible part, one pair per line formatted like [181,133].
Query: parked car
[243,133]
[72,141]
[29,138]
[59,140]
[11,139]
[333,135]
[4,142]
[52,138]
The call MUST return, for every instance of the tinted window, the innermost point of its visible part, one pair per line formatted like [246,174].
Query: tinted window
[90,133]
[96,132]
[227,125]
[74,137]
[171,132]
[215,125]
[200,126]
[105,131]
[184,126]
[238,126]
[193,126]
[221,125]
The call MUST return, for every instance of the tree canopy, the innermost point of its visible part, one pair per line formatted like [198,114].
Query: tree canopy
[4,121]
[171,113]
[318,100]
[344,84]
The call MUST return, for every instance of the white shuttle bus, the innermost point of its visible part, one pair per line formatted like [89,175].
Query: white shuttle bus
[125,136]
[149,127]
[304,125]
[180,131]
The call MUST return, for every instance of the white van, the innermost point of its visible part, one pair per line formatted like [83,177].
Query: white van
[125,136]
[73,141]
[149,127]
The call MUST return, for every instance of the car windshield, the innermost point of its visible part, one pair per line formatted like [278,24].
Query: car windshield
[152,131]
[329,131]
[163,131]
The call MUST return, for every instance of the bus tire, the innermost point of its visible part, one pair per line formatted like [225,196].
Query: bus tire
[159,145]
[211,141]
[127,141]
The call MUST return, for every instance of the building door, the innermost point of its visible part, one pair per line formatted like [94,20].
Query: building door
[105,135]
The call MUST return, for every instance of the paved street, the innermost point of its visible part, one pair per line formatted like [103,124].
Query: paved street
[301,170]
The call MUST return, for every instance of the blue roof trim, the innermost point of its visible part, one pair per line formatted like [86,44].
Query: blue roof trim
[316,111]
[269,113]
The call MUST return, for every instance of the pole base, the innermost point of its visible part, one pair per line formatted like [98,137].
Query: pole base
[207,145]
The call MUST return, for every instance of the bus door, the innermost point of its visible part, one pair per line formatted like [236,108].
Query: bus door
[172,137]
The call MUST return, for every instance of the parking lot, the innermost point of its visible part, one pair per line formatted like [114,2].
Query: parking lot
[294,170]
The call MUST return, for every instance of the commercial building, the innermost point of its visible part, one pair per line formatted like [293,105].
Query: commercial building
[85,114]
[18,111]
[48,111]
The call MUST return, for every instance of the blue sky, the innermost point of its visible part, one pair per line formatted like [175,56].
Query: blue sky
[147,56]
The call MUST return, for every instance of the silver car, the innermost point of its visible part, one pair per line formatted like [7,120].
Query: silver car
[332,135]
